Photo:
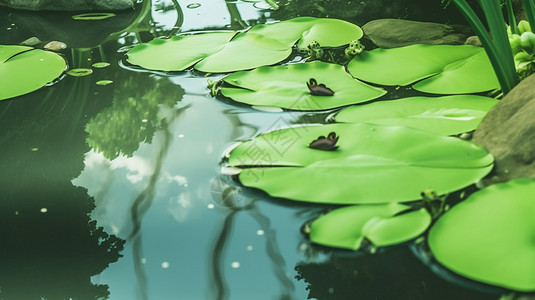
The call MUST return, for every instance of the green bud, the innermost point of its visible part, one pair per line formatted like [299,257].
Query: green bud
[523,26]
[522,56]
[527,41]
[514,41]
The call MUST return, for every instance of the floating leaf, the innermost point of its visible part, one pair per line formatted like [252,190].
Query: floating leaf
[286,86]
[373,164]
[177,53]
[445,69]
[327,32]
[100,65]
[93,16]
[264,44]
[347,227]
[490,236]
[24,69]
[445,115]
[79,72]
[104,82]
[245,51]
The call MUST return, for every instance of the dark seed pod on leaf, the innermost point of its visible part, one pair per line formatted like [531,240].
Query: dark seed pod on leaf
[325,143]
[318,89]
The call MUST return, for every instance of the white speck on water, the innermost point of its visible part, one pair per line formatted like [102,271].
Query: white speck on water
[165,265]
[250,248]
[211,206]
[44,210]
[235,264]
[260,232]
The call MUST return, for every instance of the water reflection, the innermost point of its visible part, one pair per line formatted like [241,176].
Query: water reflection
[49,246]
[394,274]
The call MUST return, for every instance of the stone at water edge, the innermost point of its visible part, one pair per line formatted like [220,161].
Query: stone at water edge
[392,33]
[508,133]
[69,5]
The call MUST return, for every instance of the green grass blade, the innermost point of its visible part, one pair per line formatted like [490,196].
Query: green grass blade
[511,17]
[529,6]
[503,72]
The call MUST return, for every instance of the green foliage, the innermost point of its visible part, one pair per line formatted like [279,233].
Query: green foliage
[489,236]
[131,119]
[447,115]
[523,47]
[285,86]
[442,69]
[369,157]
[382,225]
[219,52]
[496,43]
[25,69]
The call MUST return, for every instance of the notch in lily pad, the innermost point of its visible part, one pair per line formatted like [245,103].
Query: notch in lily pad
[380,225]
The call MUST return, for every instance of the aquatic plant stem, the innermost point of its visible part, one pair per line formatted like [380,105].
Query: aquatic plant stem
[497,47]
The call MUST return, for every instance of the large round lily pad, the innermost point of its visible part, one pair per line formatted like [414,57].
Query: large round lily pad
[285,86]
[445,115]
[348,226]
[373,164]
[490,237]
[25,69]
[219,52]
[445,69]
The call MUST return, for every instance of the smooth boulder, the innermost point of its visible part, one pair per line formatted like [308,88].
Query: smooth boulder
[392,33]
[69,5]
[508,133]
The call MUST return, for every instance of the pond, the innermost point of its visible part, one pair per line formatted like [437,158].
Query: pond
[113,190]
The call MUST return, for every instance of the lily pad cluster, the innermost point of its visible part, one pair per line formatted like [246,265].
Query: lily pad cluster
[25,69]
[219,52]
[436,69]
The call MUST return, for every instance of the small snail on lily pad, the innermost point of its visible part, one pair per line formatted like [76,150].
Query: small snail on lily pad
[318,89]
[325,143]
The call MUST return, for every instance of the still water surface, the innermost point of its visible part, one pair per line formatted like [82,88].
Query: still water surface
[140,157]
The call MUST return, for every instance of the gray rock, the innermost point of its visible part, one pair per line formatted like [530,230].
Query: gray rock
[508,133]
[392,33]
[69,5]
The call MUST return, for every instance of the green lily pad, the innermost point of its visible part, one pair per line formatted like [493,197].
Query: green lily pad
[93,16]
[25,69]
[490,236]
[79,72]
[285,86]
[445,69]
[219,52]
[177,53]
[373,164]
[100,64]
[445,115]
[348,226]
[245,51]
[304,30]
